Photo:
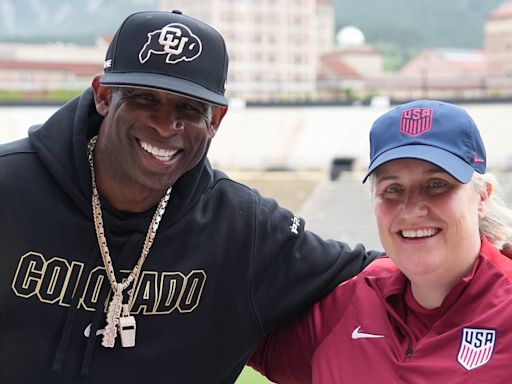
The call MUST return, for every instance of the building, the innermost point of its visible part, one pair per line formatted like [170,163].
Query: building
[437,73]
[498,40]
[498,47]
[325,26]
[345,70]
[274,45]
[444,73]
[40,68]
[447,62]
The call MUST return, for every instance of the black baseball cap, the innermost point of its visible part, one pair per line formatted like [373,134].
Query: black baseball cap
[171,52]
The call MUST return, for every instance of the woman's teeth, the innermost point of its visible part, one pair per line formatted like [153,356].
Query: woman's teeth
[414,233]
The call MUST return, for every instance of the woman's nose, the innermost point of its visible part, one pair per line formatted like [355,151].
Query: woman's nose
[414,205]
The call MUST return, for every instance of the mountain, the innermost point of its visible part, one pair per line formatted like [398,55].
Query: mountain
[401,28]
[51,20]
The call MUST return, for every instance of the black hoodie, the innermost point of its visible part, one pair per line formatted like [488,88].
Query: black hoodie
[226,266]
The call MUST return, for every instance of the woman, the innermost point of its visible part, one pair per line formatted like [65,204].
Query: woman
[438,309]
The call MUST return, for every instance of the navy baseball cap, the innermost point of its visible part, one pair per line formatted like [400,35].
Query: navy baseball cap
[438,132]
[171,52]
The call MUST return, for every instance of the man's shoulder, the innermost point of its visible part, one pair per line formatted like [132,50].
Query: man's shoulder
[17,163]
[222,182]
[14,147]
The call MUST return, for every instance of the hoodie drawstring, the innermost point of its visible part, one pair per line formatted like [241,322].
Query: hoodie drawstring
[91,341]
[70,317]
[131,245]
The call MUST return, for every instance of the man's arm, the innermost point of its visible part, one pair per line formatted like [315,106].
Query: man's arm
[281,357]
[293,268]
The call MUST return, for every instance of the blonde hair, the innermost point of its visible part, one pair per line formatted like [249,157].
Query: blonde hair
[497,223]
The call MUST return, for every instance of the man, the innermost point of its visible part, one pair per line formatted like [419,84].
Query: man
[125,256]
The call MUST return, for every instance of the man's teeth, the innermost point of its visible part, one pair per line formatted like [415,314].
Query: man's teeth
[159,153]
[411,233]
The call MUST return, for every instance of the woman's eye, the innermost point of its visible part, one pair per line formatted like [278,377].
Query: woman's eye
[393,189]
[437,184]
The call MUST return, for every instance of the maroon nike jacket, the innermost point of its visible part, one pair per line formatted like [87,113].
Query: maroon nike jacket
[358,333]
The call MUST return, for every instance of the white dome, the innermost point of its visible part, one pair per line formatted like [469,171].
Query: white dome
[350,36]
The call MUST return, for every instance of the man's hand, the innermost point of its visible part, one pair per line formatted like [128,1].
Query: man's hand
[507,250]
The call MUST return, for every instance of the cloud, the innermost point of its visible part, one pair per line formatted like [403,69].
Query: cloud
[94,5]
[62,14]
[7,16]
[40,11]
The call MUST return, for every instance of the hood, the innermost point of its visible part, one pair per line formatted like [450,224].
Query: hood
[61,143]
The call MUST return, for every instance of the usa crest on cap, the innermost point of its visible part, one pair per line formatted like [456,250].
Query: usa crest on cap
[416,121]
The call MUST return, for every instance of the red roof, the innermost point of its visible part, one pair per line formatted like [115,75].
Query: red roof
[107,39]
[76,68]
[504,11]
[333,65]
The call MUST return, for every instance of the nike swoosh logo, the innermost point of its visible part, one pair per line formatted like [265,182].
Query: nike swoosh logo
[87,331]
[477,160]
[361,335]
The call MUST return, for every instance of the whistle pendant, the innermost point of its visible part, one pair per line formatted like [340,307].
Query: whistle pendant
[127,328]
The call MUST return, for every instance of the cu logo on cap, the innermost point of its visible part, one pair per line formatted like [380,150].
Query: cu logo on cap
[174,40]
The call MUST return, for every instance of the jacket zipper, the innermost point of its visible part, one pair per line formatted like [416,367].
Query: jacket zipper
[409,350]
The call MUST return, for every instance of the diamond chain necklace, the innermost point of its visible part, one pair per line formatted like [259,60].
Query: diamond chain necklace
[126,323]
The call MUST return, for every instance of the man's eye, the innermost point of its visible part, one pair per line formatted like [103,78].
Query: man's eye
[188,107]
[199,107]
[193,111]
[145,96]
[138,96]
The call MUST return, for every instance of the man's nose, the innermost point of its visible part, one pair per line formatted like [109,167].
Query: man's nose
[167,122]
[177,125]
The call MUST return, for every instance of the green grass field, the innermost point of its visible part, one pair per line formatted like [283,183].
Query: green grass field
[250,376]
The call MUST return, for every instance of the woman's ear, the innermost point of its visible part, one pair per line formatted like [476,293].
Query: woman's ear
[102,96]
[482,207]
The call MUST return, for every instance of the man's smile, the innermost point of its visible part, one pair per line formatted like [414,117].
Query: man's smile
[158,153]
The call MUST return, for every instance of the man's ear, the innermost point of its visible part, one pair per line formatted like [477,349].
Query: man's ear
[102,96]
[217,116]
